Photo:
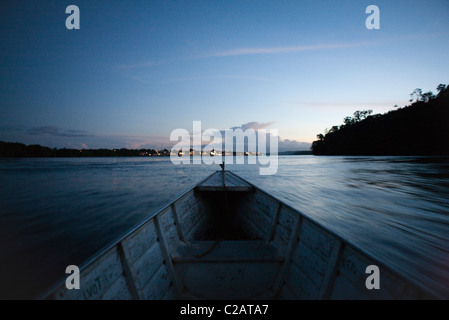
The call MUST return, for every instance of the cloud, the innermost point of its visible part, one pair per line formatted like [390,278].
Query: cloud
[227,53]
[144,142]
[276,50]
[283,145]
[254,125]
[53,136]
[292,145]
[58,132]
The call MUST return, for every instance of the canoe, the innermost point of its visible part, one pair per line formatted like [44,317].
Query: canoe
[227,239]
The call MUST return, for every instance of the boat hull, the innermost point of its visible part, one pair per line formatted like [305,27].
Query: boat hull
[233,241]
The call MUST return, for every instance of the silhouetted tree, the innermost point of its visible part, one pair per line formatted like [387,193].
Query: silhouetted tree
[333,129]
[348,121]
[416,95]
[361,115]
[426,97]
[443,90]
[15,150]
[418,129]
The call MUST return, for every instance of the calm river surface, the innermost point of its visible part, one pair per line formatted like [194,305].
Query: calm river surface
[60,211]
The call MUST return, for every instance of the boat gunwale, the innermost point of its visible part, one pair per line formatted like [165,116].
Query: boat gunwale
[348,243]
[345,242]
[86,263]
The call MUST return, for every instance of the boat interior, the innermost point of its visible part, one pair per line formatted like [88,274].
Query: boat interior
[227,239]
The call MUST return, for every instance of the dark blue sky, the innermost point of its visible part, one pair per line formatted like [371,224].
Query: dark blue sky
[136,70]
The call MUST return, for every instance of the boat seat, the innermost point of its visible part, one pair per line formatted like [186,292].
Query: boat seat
[227,251]
[228,188]
[233,183]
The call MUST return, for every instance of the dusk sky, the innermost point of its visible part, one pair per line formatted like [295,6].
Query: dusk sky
[136,70]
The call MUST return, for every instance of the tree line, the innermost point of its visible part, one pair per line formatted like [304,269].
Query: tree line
[20,150]
[420,128]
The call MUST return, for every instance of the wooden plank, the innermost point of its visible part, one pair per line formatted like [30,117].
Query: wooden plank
[282,237]
[167,256]
[198,232]
[227,259]
[267,206]
[251,213]
[221,189]
[94,280]
[287,221]
[189,225]
[177,223]
[293,243]
[412,292]
[275,221]
[169,294]
[227,252]
[172,238]
[169,229]
[231,181]
[159,285]
[287,294]
[317,239]
[310,258]
[251,228]
[234,180]
[147,265]
[257,215]
[140,240]
[189,214]
[332,271]
[129,272]
[166,219]
[353,265]
[352,271]
[186,205]
[118,291]
[214,180]
[228,281]
[345,290]
[193,227]
[288,218]
[310,263]
[301,284]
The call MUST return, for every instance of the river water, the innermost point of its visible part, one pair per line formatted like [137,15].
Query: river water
[60,211]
